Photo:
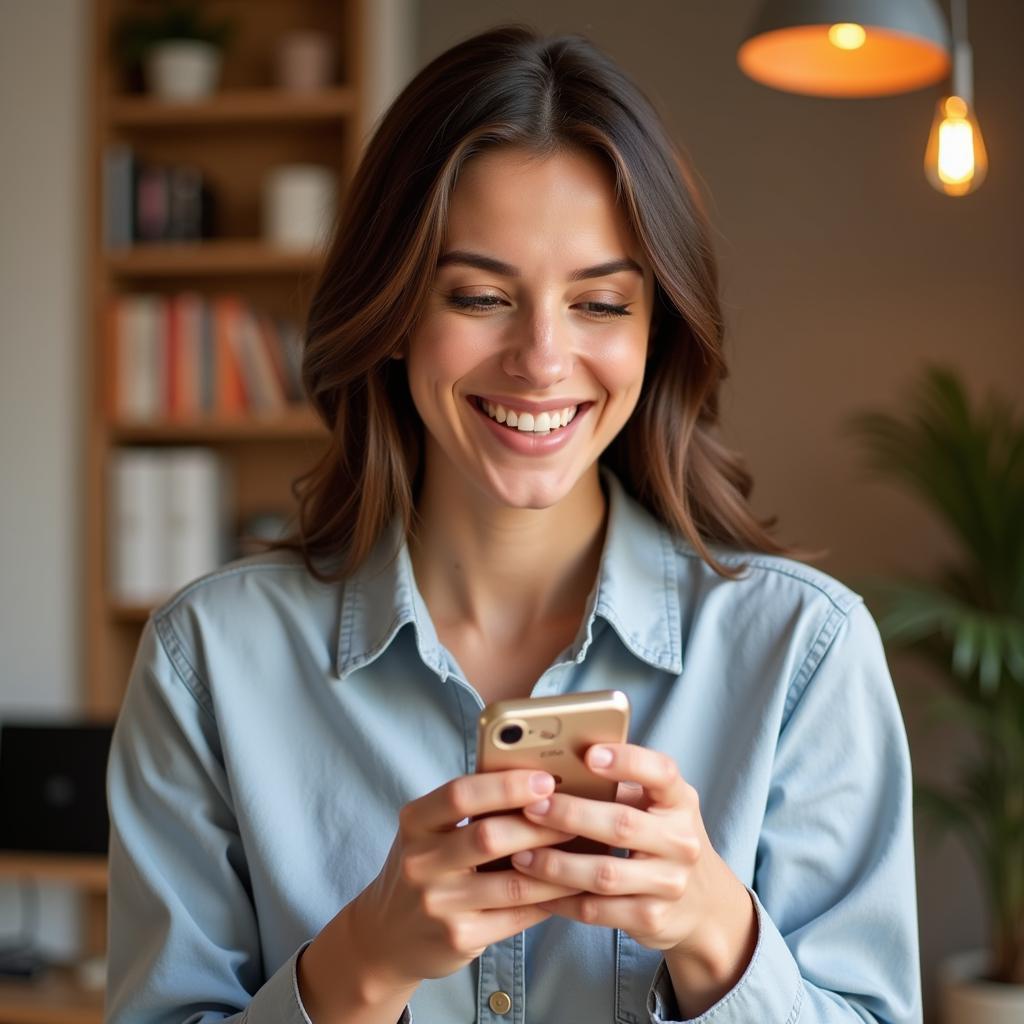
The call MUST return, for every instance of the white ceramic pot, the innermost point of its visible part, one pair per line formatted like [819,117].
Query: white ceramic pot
[182,69]
[966,1000]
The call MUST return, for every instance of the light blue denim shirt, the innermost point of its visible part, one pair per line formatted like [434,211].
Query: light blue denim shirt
[273,726]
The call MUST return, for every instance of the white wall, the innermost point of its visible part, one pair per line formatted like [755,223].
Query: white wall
[42,118]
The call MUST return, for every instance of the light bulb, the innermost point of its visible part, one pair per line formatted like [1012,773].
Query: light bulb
[847,36]
[955,160]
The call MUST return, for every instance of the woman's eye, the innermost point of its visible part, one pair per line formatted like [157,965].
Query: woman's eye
[597,310]
[606,310]
[474,301]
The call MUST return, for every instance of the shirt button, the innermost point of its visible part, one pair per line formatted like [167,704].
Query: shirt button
[500,1002]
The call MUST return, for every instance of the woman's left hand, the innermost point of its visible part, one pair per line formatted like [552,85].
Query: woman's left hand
[673,889]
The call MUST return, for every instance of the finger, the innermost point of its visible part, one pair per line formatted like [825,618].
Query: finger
[604,875]
[655,771]
[632,793]
[467,796]
[612,823]
[506,922]
[489,838]
[606,911]
[489,891]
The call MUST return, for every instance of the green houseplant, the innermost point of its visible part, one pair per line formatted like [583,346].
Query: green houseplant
[967,464]
[174,33]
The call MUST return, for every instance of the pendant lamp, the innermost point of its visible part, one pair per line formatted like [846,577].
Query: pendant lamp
[955,160]
[847,48]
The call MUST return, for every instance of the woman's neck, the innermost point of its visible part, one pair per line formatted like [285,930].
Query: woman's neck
[502,572]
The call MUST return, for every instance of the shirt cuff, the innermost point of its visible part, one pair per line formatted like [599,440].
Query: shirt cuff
[770,988]
[278,1001]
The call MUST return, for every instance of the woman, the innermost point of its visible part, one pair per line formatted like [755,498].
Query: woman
[517,346]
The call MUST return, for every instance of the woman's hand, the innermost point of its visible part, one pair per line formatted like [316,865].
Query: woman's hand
[673,892]
[429,913]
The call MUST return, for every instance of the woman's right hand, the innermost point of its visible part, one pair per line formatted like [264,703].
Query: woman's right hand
[429,912]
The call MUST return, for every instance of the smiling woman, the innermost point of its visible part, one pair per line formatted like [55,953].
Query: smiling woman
[517,345]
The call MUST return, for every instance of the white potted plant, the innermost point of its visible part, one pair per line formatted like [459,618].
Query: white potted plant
[178,51]
[968,619]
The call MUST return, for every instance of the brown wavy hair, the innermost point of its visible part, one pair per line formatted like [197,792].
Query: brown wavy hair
[511,86]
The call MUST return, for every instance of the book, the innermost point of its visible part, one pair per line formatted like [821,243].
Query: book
[119,171]
[135,487]
[196,504]
[186,355]
[169,509]
[231,397]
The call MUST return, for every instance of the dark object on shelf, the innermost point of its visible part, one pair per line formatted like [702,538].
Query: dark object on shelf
[22,963]
[149,202]
[53,786]
[172,203]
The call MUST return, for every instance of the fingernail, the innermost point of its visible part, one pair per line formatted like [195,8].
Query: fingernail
[600,757]
[540,807]
[541,782]
[524,858]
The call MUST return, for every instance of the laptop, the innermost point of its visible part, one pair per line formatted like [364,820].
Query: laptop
[53,786]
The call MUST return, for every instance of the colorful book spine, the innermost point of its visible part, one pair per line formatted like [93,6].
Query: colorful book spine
[182,356]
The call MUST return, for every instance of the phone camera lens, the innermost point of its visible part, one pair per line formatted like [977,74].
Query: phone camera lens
[511,734]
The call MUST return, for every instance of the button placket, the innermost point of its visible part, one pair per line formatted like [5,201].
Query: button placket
[500,995]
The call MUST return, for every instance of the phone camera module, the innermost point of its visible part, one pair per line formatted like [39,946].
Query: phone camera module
[511,734]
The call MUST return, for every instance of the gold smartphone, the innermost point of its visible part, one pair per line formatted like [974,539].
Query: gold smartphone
[552,734]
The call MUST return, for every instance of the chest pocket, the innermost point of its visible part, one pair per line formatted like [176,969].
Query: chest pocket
[635,967]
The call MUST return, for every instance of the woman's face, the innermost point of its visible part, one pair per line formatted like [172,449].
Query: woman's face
[542,297]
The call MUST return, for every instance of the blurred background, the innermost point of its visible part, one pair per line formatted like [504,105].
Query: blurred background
[160,233]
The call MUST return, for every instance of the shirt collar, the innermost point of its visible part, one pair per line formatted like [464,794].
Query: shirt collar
[636,592]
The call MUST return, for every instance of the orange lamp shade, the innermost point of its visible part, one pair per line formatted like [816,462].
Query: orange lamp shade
[847,48]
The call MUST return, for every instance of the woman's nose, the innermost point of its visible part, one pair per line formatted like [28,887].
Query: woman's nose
[539,352]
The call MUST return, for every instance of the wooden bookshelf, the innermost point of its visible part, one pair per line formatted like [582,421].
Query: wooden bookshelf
[217,257]
[235,137]
[55,997]
[88,872]
[239,106]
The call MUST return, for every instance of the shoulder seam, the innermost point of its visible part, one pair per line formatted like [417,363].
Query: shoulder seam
[829,630]
[173,601]
[175,651]
[842,600]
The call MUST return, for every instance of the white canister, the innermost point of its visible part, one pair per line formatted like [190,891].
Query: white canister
[299,205]
[182,69]
[305,61]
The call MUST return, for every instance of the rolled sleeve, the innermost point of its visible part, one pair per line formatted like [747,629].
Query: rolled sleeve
[834,882]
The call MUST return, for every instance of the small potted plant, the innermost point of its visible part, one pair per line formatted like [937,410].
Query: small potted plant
[178,51]
[968,619]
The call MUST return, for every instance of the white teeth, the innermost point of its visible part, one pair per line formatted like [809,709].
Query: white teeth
[541,423]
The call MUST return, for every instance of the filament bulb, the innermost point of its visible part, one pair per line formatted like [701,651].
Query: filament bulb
[955,161]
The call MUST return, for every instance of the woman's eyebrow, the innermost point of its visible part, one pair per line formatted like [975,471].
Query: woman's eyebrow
[481,262]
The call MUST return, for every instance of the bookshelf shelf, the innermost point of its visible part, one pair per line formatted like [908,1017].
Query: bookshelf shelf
[210,257]
[85,871]
[56,997]
[239,106]
[301,424]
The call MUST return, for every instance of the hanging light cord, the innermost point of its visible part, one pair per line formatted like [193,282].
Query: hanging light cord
[959,18]
[963,59]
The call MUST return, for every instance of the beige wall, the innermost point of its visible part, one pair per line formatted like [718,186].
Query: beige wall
[843,272]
